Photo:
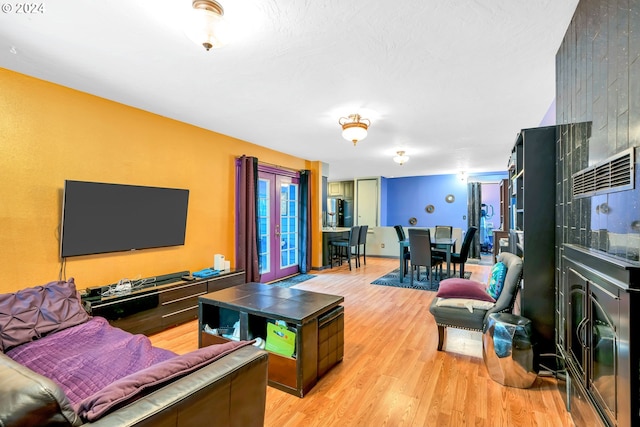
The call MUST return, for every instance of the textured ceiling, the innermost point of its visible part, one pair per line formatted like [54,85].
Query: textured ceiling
[451,82]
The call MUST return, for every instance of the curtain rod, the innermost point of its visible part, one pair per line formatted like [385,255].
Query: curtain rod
[260,162]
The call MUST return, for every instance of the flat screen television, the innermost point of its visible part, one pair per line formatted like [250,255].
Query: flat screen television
[101,217]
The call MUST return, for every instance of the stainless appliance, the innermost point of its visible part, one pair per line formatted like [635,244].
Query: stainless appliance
[342,211]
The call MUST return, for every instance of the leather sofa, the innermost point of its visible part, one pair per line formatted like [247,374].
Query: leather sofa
[231,391]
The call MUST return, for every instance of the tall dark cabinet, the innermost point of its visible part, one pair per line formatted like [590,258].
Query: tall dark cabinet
[532,232]
[598,226]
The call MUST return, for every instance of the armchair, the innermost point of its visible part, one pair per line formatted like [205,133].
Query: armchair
[462,318]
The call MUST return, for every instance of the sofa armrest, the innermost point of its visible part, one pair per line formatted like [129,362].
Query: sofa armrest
[231,391]
[30,399]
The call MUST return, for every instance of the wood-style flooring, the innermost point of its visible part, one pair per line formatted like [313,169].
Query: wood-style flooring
[392,374]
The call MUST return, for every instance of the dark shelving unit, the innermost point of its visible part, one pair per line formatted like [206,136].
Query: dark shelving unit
[532,168]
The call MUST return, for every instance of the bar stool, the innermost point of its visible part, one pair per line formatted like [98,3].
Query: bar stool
[362,241]
[345,249]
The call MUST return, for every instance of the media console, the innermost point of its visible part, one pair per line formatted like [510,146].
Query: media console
[154,306]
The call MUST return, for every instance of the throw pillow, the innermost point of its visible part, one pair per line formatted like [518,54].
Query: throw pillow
[32,313]
[496,279]
[463,288]
[467,303]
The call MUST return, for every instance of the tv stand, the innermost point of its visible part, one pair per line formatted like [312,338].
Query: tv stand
[156,305]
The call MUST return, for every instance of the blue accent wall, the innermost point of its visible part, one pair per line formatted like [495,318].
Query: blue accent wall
[383,201]
[406,197]
[409,196]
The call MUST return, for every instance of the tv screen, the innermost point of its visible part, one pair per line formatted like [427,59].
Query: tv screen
[100,218]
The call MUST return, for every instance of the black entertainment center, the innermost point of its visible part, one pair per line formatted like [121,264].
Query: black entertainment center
[160,303]
[101,218]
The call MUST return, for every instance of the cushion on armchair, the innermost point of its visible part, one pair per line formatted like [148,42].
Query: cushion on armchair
[496,279]
[32,313]
[463,288]
[463,293]
[467,303]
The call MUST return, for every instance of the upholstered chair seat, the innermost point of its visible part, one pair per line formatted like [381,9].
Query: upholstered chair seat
[467,317]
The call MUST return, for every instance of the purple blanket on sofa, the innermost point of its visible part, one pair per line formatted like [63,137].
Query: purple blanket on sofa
[84,359]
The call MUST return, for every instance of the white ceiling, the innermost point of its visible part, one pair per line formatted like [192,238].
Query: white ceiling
[449,81]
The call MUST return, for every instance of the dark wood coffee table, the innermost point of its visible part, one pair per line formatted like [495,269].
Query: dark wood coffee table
[317,319]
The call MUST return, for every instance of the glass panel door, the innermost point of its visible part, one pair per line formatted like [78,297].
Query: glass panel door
[265,186]
[289,232]
[278,229]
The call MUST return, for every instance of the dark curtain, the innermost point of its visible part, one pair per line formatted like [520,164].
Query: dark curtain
[304,222]
[247,219]
[474,191]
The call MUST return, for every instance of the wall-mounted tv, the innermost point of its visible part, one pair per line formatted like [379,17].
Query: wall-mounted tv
[101,217]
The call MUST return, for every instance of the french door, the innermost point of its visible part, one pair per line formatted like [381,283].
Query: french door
[278,226]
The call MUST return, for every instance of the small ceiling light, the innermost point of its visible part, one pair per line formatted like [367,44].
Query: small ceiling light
[205,23]
[354,127]
[401,159]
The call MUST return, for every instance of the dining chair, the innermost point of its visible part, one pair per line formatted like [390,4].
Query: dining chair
[442,232]
[405,252]
[362,241]
[461,257]
[421,255]
[346,249]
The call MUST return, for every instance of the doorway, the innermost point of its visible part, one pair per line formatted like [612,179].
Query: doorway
[278,225]
[367,202]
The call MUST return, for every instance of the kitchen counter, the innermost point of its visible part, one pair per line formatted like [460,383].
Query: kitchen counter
[336,230]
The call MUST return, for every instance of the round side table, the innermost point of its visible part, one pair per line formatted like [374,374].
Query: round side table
[507,350]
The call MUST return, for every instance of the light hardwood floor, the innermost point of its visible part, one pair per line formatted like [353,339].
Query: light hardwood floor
[392,374]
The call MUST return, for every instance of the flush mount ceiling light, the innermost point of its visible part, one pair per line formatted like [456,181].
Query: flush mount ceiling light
[354,127]
[401,159]
[205,23]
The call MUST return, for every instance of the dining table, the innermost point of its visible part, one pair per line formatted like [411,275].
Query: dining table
[442,243]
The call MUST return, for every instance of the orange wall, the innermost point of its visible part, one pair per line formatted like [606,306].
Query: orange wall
[49,133]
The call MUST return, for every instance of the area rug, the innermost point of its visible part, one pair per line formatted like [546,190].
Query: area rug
[293,280]
[393,279]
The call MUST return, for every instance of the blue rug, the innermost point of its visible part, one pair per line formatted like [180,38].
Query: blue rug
[290,281]
[393,279]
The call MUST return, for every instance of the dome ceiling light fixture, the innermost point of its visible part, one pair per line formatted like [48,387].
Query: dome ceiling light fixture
[401,159]
[354,128]
[205,23]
